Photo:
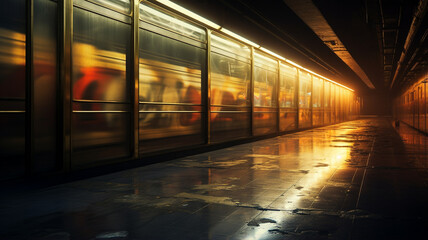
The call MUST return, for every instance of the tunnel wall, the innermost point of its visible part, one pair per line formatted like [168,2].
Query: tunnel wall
[115,83]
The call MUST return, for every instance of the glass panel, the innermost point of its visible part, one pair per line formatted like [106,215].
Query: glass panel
[45,84]
[317,110]
[305,92]
[317,92]
[170,71]
[337,101]
[287,99]
[12,88]
[333,103]
[97,137]
[230,77]
[264,120]
[265,79]
[227,89]
[230,87]
[100,90]
[341,104]
[171,23]
[99,58]
[123,6]
[169,92]
[421,106]
[327,102]
[287,86]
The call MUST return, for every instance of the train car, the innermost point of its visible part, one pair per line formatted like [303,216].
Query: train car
[411,107]
[115,81]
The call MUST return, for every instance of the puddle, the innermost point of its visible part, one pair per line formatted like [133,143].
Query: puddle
[111,235]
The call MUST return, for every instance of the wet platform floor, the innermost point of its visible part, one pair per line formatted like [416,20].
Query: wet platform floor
[362,179]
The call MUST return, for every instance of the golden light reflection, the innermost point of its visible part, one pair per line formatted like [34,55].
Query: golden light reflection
[321,158]
[12,50]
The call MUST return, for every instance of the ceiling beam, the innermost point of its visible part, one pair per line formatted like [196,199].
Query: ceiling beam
[312,17]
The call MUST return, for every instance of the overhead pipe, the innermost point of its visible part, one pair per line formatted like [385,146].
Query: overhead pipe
[416,22]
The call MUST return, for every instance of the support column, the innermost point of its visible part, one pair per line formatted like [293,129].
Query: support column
[207,89]
[135,80]
[65,63]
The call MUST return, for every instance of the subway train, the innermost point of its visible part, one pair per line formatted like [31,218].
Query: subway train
[411,106]
[86,83]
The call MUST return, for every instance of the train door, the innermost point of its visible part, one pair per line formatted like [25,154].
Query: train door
[171,87]
[101,99]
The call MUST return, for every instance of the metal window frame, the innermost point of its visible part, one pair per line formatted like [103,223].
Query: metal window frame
[206,91]
[65,72]
[135,70]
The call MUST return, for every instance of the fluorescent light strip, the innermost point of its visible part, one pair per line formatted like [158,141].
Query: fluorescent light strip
[272,53]
[169,18]
[307,70]
[189,13]
[236,36]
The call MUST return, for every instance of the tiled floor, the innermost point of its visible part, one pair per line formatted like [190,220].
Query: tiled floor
[356,180]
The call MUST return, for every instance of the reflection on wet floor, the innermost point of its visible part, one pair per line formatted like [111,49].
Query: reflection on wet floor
[354,180]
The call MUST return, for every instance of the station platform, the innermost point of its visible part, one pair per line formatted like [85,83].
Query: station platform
[363,179]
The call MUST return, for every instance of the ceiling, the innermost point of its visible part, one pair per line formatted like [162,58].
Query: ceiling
[384,40]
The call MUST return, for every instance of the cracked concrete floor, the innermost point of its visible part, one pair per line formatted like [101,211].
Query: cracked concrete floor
[356,180]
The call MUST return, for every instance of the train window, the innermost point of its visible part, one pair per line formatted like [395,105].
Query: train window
[305,94]
[317,92]
[287,86]
[172,63]
[305,90]
[122,6]
[287,97]
[326,94]
[100,88]
[169,22]
[265,94]
[230,72]
[265,79]
[99,58]
[230,89]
